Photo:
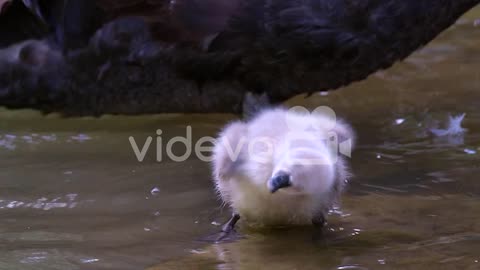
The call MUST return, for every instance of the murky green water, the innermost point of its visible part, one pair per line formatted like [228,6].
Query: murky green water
[74,196]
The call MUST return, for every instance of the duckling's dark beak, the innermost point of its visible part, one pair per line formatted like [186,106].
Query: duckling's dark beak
[280,180]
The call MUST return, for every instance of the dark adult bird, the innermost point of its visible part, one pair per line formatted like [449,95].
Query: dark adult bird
[205,55]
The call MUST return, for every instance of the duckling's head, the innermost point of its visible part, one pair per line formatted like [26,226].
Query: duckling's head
[303,171]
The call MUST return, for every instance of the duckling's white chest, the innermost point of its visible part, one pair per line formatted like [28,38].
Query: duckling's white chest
[258,207]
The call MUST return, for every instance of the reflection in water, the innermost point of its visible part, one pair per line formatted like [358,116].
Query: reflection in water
[73,195]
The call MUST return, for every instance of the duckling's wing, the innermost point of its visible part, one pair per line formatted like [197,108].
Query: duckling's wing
[227,153]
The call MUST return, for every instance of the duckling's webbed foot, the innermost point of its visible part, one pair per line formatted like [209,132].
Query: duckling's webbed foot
[228,228]
[230,225]
[319,220]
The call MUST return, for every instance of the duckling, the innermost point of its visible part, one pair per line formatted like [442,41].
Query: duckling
[282,167]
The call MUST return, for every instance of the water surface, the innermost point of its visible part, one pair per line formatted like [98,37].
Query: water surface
[74,196]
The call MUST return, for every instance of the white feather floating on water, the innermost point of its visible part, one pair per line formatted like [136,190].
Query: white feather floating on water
[454,127]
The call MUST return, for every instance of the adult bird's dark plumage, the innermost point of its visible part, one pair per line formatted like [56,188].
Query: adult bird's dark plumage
[205,55]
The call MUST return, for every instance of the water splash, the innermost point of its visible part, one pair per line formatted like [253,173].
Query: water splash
[11,142]
[351,267]
[46,204]
[35,257]
[469,151]
[81,138]
[93,260]
[155,191]
[49,138]
[399,121]
[8,142]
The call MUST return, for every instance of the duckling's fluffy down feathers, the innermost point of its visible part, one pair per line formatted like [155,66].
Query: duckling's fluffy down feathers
[297,145]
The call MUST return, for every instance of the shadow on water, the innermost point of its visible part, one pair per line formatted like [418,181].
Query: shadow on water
[73,195]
